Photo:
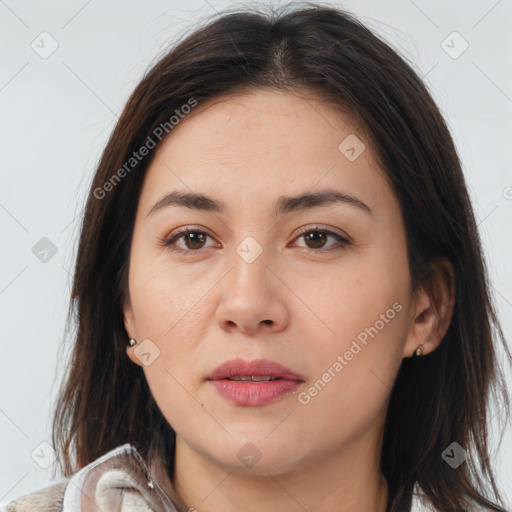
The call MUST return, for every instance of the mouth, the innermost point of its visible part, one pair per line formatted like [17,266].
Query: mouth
[254,378]
[254,383]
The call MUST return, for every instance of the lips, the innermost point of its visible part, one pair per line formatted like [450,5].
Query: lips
[254,383]
[258,367]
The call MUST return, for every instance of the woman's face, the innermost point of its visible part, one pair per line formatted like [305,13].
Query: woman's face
[257,283]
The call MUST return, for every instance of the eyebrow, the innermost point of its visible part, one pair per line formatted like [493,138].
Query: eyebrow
[283,205]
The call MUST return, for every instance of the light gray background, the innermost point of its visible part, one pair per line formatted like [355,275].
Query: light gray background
[57,113]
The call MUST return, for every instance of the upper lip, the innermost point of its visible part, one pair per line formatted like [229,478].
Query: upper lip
[240,367]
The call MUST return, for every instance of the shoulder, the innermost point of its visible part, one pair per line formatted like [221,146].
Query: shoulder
[53,498]
[47,499]
[117,476]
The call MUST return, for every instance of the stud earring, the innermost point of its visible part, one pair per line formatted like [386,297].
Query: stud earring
[132,342]
[419,351]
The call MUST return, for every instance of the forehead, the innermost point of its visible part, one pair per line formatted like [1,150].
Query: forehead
[264,142]
[265,119]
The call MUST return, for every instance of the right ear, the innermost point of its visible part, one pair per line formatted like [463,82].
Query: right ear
[131,331]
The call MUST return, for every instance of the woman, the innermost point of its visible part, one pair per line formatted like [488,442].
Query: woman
[228,357]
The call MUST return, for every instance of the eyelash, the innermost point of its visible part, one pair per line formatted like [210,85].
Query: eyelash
[169,241]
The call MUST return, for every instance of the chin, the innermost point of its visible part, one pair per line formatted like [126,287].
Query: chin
[254,455]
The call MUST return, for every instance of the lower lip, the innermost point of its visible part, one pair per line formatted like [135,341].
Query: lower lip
[254,393]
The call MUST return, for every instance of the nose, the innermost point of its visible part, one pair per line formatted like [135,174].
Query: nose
[253,298]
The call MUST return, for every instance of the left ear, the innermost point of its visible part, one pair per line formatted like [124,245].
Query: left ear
[433,309]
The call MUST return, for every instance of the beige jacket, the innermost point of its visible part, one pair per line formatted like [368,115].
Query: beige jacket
[119,481]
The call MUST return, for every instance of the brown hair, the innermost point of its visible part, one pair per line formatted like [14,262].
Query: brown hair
[436,399]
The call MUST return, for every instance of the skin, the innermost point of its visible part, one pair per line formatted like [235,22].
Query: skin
[298,309]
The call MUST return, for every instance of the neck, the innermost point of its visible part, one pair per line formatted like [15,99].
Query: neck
[348,480]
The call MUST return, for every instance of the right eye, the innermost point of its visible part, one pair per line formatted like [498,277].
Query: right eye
[193,238]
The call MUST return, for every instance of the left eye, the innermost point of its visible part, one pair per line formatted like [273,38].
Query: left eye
[318,236]
[195,239]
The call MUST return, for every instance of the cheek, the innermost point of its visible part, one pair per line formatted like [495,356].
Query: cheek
[170,310]
[365,352]
[357,351]
[364,295]
[162,296]
[353,381]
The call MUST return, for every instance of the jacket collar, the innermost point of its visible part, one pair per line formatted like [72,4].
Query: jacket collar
[118,480]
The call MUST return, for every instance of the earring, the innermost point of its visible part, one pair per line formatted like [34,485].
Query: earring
[132,342]
[418,351]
